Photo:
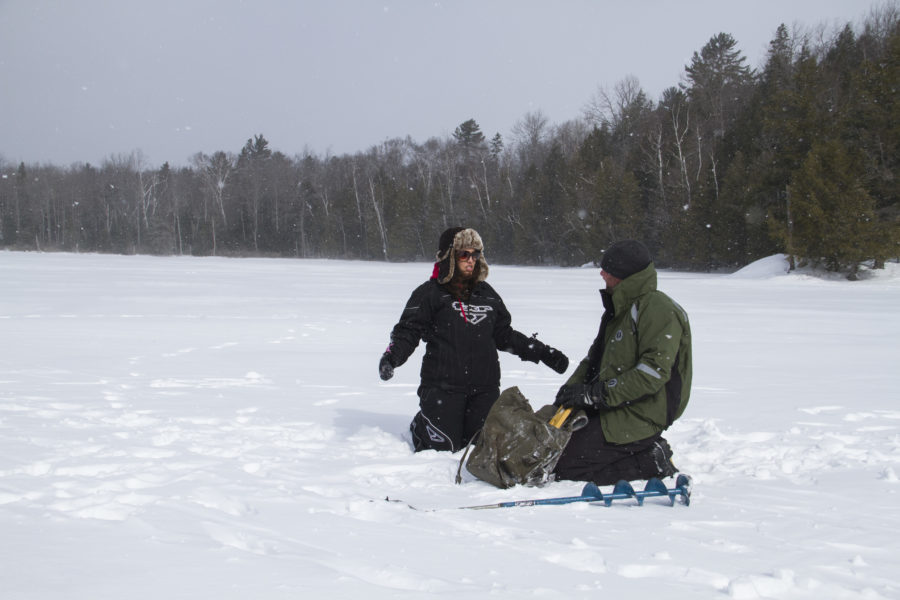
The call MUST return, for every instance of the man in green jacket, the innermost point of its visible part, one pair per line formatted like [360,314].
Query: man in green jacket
[635,380]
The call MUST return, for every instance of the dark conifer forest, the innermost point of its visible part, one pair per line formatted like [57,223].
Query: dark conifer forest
[728,166]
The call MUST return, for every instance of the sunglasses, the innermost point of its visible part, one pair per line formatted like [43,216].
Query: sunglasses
[466,255]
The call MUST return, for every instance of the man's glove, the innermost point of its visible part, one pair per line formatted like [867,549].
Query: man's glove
[385,367]
[580,395]
[554,359]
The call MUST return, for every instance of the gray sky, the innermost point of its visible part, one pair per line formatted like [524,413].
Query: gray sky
[85,80]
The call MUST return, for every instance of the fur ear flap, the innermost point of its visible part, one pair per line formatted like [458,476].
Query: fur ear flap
[444,262]
[443,269]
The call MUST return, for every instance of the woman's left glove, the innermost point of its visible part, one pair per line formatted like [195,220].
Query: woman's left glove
[554,359]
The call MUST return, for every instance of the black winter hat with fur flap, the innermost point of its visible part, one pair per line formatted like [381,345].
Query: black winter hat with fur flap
[452,240]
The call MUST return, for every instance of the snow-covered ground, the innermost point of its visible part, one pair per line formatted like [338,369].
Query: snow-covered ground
[215,428]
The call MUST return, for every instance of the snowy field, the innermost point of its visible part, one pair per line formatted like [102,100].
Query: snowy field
[215,428]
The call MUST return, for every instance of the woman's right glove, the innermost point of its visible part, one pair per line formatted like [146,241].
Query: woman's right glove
[385,367]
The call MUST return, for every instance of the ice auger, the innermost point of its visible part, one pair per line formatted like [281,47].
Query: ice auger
[622,491]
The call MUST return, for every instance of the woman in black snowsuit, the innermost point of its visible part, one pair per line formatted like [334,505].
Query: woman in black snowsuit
[463,322]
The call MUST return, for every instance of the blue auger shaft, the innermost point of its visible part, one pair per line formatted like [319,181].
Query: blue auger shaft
[622,491]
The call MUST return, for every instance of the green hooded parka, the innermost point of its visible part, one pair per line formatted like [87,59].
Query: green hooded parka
[642,356]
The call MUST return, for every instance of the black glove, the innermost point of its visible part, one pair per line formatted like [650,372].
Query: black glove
[561,395]
[580,395]
[385,367]
[554,359]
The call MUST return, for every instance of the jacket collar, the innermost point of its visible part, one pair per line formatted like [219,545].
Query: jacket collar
[630,289]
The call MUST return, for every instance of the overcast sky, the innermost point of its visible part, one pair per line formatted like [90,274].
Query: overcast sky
[85,80]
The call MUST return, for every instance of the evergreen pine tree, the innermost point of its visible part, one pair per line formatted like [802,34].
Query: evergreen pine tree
[834,216]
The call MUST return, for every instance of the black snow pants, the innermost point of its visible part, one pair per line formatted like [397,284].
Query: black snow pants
[447,420]
[589,457]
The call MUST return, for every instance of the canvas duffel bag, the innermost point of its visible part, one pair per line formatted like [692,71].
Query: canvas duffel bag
[518,445]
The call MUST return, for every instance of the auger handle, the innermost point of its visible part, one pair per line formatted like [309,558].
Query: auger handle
[560,417]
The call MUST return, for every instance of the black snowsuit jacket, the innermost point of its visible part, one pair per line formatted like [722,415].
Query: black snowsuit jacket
[461,338]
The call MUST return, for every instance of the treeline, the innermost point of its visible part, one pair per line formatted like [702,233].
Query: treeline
[731,165]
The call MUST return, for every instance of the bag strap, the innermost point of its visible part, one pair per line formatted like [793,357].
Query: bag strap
[465,454]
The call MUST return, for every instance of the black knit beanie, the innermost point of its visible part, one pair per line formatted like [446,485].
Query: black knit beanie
[625,258]
[446,241]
